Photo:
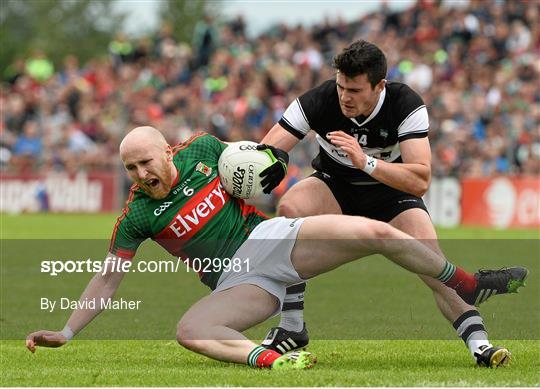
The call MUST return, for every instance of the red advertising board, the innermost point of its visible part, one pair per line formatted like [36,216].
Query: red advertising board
[59,192]
[501,202]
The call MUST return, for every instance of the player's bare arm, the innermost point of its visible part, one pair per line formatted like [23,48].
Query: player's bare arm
[411,176]
[281,138]
[102,286]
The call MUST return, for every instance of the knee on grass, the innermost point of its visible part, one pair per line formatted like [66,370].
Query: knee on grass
[191,336]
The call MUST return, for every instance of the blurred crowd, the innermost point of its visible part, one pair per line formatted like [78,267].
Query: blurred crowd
[476,64]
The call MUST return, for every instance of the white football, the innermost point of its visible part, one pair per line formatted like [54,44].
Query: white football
[239,166]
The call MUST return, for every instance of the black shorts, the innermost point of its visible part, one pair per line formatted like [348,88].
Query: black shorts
[377,201]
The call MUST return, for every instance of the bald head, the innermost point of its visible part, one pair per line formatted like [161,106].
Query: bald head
[139,137]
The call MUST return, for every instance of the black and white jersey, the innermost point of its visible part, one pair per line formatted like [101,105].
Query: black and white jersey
[400,114]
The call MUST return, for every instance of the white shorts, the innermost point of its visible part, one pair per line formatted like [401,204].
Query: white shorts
[269,248]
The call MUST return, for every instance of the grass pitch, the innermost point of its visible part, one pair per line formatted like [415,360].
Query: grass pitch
[341,363]
[371,323]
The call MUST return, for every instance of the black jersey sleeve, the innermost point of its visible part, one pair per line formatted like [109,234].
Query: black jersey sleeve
[306,110]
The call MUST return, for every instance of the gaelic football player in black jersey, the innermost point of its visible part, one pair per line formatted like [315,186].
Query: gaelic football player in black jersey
[375,161]
[269,254]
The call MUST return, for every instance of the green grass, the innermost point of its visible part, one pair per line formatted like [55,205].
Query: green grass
[84,226]
[57,226]
[340,363]
[348,310]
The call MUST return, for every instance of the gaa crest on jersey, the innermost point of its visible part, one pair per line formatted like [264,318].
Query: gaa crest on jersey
[202,168]
[383,133]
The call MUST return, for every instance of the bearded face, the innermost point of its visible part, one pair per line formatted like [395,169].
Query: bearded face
[150,168]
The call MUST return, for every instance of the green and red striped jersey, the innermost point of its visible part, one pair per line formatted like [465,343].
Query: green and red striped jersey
[198,219]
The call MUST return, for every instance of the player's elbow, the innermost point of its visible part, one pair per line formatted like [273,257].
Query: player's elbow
[421,184]
[421,188]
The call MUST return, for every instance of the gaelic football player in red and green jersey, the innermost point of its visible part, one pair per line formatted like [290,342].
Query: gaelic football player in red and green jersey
[178,201]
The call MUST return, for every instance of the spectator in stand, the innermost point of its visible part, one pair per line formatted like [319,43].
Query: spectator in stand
[28,147]
[475,63]
[39,67]
[204,41]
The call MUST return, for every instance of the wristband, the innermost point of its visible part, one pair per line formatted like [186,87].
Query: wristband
[371,164]
[67,332]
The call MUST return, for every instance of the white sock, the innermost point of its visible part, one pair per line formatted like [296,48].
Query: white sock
[292,320]
[474,345]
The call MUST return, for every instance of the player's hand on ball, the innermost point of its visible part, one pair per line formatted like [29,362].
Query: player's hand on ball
[350,145]
[45,338]
[275,173]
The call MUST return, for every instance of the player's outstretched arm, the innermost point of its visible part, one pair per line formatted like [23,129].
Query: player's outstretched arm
[412,176]
[102,286]
[280,138]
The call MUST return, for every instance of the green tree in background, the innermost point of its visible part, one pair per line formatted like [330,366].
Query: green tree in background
[57,28]
[183,15]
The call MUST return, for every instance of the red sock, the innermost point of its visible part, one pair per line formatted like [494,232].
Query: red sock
[462,282]
[266,358]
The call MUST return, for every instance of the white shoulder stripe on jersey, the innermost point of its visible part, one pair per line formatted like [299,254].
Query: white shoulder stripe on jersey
[295,117]
[286,121]
[413,132]
[412,113]
[302,110]
[418,119]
